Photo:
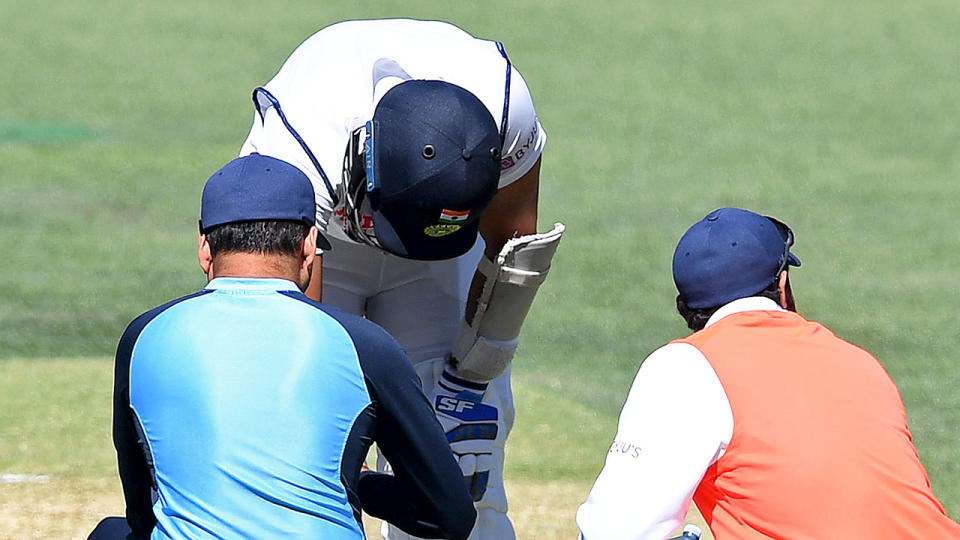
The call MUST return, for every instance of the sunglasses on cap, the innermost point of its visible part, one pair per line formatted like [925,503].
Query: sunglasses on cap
[786,234]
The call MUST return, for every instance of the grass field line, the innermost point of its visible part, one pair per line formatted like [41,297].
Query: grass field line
[23,478]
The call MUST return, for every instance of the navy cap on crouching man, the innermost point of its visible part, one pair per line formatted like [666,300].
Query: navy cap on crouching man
[258,188]
[731,253]
[246,410]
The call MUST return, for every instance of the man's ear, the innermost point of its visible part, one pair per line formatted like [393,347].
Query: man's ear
[309,248]
[787,301]
[308,254]
[203,256]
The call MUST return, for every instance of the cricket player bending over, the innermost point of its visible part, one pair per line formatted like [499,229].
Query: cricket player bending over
[774,426]
[424,150]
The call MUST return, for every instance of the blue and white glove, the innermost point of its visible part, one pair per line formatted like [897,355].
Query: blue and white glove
[471,427]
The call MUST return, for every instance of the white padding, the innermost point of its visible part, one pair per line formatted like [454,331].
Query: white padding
[485,346]
[482,359]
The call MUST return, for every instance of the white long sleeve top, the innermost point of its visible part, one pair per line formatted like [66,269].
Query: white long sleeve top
[675,423]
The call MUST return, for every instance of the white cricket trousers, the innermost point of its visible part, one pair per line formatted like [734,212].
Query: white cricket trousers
[421,304]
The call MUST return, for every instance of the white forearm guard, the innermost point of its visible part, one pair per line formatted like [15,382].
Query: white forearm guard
[485,346]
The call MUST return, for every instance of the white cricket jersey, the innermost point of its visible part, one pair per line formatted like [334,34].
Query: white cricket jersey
[675,423]
[330,85]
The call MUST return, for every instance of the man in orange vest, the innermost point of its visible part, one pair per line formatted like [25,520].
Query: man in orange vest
[774,426]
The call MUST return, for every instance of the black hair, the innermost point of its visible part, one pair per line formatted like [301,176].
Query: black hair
[264,237]
[697,317]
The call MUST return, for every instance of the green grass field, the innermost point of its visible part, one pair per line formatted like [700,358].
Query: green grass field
[839,118]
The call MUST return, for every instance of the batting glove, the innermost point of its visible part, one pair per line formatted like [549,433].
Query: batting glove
[471,427]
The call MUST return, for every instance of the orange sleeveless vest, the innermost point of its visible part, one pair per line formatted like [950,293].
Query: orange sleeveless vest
[820,446]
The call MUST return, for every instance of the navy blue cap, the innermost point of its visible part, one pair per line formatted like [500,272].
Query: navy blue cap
[730,254]
[258,188]
[433,168]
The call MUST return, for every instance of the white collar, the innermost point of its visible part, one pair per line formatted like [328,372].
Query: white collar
[753,303]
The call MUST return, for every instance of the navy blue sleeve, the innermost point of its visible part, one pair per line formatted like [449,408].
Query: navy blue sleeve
[355,450]
[136,471]
[426,495]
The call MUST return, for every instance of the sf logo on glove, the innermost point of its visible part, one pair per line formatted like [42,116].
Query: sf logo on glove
[454,405]
[468,411]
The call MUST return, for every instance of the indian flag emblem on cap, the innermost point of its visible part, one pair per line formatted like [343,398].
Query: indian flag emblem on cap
[453,216]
